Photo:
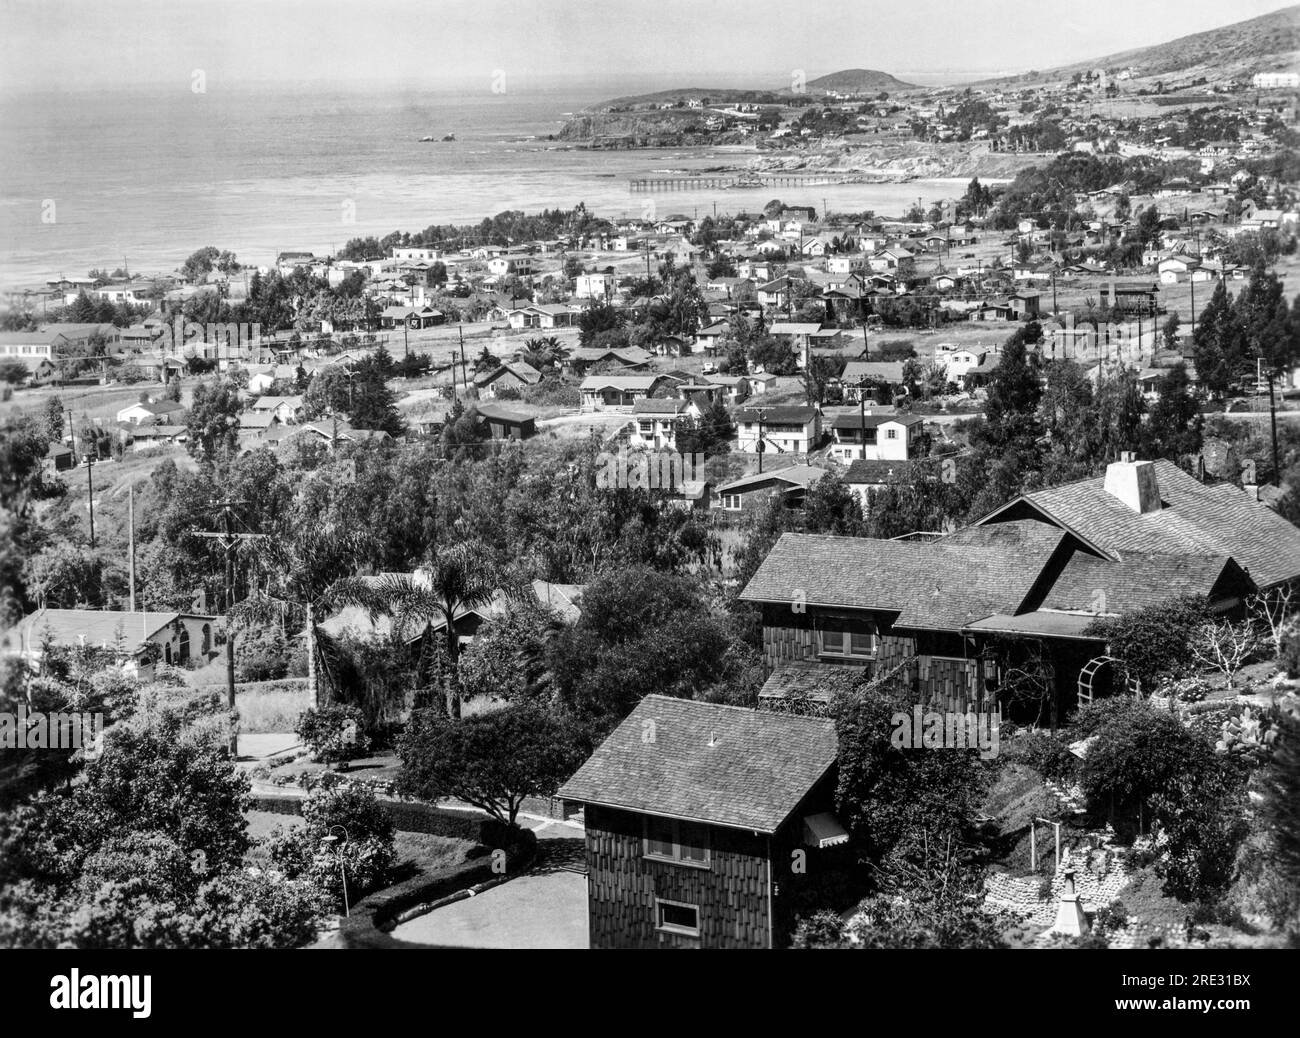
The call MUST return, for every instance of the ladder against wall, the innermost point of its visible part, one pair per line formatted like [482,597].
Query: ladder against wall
[1088,675]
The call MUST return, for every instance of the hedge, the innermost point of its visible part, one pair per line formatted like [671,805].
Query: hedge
[376,914]
[411,816]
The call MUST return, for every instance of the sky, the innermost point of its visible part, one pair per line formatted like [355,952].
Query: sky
[61,45]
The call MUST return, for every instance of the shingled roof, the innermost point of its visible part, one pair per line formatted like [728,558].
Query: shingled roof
[1209,521]
[720,765]
[934,586]
[1137,581]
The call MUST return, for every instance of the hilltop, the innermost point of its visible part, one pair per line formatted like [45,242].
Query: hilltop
[859,81]
[1268,43]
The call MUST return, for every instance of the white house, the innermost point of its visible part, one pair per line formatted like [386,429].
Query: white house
[781,429]
[655,421]
[875,437]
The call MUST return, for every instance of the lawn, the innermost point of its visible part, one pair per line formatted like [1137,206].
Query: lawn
[422,851]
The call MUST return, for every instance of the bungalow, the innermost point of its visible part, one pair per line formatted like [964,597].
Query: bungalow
[1172,269]
[150,411]
[285,409]
[513,375]
[690,831]
[775,294]
[136,638]
[752,492]
[950,615]
[783,429]
[655,421]
[875,437]
[413,317]
[708,337]
[617,392]
[863,477]
[543,315]
[873,377]
[629,358]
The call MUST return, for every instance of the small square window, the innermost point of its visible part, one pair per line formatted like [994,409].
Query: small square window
[676,917]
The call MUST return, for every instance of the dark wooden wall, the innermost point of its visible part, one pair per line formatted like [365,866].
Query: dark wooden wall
[942,683]
[732,894]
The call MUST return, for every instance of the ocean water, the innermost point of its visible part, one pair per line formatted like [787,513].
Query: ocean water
[147,176]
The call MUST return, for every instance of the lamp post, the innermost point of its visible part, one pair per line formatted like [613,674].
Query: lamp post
[331,841]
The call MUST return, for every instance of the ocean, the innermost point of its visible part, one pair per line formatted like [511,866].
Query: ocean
[145,176]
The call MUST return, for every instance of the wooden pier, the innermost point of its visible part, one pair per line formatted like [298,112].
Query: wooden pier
[697,181]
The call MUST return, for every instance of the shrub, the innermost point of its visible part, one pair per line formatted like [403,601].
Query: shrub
[507,393]
[1155,642]
[364,856]
[334,733]
[552,393]
[1048,756]
[1290,657]
[1145,765]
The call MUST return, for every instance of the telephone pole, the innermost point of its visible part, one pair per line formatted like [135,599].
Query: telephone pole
[229,540]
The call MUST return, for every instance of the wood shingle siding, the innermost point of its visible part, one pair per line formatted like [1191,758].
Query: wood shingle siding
[623,885]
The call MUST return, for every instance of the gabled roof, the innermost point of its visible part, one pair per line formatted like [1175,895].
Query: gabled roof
[502,414]
[856,370]
[631,383]
[794,475]
[817,681]
[871,472]
[931,585]
[719,765]
[654,406]
[853,420]
[791,415]
[99,628]
[1211,521]
[1136,581]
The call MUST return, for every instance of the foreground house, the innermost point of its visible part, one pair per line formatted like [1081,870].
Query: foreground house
[692,813]
[1029,578]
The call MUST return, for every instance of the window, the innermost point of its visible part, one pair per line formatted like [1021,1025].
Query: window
[848,644]
[891,434]
[731,502]
[676,917]
[678,842]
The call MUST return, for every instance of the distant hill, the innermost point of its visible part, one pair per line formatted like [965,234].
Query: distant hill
[1268,43]
[859,81]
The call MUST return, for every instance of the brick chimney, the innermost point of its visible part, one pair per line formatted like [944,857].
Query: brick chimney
[1134,483]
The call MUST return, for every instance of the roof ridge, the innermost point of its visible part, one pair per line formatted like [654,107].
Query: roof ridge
[733,706]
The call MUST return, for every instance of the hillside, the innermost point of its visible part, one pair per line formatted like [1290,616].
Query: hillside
[1268,43]
[859,81]
[684,95]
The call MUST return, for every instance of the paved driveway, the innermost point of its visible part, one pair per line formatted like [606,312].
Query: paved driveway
[544,908]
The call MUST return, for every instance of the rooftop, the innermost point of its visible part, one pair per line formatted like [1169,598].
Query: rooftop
[721,765]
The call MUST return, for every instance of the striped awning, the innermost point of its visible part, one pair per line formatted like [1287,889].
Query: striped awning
[823,830]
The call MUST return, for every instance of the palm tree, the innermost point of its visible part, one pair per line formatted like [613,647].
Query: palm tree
[457,580]
[541,353]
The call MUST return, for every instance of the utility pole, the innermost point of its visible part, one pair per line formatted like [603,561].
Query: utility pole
[760,446]
[229,541]
[90,487]
[1191,283]
[130,542]
[1272,414]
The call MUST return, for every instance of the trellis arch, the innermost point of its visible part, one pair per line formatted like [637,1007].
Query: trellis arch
[1094,667]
